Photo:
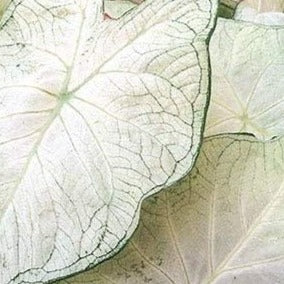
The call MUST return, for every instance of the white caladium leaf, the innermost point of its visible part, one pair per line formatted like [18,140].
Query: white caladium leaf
[247,80]
[224,223]
[94,116]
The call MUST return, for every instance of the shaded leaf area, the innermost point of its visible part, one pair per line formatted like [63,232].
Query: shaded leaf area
[116,8]
[227,8]
[3,6]
[223,223]
[95,116]
[247,80]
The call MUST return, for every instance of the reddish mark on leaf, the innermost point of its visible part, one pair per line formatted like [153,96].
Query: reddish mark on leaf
[108,17]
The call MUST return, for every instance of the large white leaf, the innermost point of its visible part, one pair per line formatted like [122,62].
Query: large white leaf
[94,117]
[224,223]
[247,80]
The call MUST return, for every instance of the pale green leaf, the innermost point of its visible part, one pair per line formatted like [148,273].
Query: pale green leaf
[116,8]
[247,80]
[94,116]
[223,223]
[3,6]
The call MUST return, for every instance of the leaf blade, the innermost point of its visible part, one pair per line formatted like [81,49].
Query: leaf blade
[106,144]
[226,214]
[243,78]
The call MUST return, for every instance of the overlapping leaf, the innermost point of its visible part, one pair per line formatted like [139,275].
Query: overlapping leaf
[224,223]
[94,116]
[247,80]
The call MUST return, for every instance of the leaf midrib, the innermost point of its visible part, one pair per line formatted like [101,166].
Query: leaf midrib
[49,122]
[222,266]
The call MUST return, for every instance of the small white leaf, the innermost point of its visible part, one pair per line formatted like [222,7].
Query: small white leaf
[247,80]
[94,116]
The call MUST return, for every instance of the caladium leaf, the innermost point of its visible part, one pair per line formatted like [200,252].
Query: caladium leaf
[94,116]
[223,223]
[247,80]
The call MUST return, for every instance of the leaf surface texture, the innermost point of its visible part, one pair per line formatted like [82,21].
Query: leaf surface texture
[223,223]
[94,116]
[247,80]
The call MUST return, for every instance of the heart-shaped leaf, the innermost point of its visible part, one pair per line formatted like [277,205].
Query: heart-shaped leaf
[224,223]
[247,80]
[94,116]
